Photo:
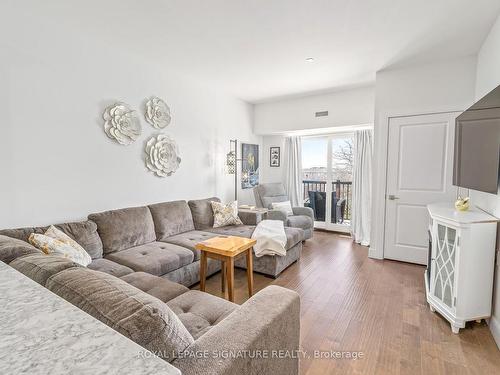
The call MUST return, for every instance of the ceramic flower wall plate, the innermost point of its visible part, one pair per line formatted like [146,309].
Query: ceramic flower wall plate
[121,123]
[162,155]
[157,113]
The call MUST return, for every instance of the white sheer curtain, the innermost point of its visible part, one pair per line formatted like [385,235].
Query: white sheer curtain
[362,186]
[293,171]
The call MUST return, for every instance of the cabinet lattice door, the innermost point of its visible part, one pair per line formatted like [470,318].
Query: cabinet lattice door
[461,265]
[444,270]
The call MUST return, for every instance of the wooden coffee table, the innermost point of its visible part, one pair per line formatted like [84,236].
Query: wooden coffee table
[226,249]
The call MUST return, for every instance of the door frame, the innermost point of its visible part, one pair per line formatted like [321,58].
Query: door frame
[327,224]
[381,137]
[415,197]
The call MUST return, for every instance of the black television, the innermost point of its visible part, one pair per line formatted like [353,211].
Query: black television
[477,145]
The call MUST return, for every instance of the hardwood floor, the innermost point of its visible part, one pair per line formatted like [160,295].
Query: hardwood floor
[352,303]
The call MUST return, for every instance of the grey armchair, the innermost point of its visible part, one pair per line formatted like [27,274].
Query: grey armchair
[303,217]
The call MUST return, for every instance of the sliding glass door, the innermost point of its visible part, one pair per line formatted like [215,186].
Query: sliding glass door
[327,179]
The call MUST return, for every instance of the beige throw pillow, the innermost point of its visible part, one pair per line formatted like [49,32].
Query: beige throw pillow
[285,207]
[225,214]
[56,242]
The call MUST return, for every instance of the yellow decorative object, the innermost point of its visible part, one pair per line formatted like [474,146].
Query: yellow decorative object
[462,204]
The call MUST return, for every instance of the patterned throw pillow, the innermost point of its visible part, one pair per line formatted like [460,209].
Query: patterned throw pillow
[57,242]
[285,207]
[225,214]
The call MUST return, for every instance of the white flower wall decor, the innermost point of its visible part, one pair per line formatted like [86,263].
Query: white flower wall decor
[162,155]
[157,113]
[121,123]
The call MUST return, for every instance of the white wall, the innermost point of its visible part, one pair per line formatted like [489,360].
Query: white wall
[272,174]
[488,62]
[57,163]
[488,77]
[439,87]
[348,107]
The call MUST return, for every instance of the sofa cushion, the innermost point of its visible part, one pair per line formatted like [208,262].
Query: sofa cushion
[267,202]
[190,239]
[110,267]
[270,193]
[190,274]
[156,258]
[234,230]
[200,311]
[272,265]
[300,221]
[22,233]
[124,228]
[163,289]
[83,232]
[171,218]
[203,215]
[128,310]
[39,267]
[12,248]
[272,189]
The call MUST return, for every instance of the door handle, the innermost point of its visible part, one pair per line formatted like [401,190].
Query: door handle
[392,197]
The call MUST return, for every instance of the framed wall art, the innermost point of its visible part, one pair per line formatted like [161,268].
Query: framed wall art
[274,156]
[249,165]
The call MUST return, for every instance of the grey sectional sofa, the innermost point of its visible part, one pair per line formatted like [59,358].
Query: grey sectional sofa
[143,259]
[160,239]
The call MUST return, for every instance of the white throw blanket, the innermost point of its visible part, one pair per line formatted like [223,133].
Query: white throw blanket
[271,238]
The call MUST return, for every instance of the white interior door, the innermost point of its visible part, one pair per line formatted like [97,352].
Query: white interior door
[419,172]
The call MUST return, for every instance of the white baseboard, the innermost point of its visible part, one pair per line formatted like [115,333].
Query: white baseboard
[494,324]
[373,253]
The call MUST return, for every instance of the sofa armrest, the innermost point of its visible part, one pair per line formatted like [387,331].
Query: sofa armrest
[12,248]
[260,337]
[277,215]
[306,211]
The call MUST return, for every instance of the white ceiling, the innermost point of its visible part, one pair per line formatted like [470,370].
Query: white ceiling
[256,49]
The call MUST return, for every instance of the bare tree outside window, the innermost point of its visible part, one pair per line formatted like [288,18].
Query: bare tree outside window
[315,161]
[343,155]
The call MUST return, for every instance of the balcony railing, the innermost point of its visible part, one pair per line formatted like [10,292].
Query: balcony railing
[315,197]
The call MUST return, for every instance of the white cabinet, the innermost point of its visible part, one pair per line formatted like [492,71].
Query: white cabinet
[459,277]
